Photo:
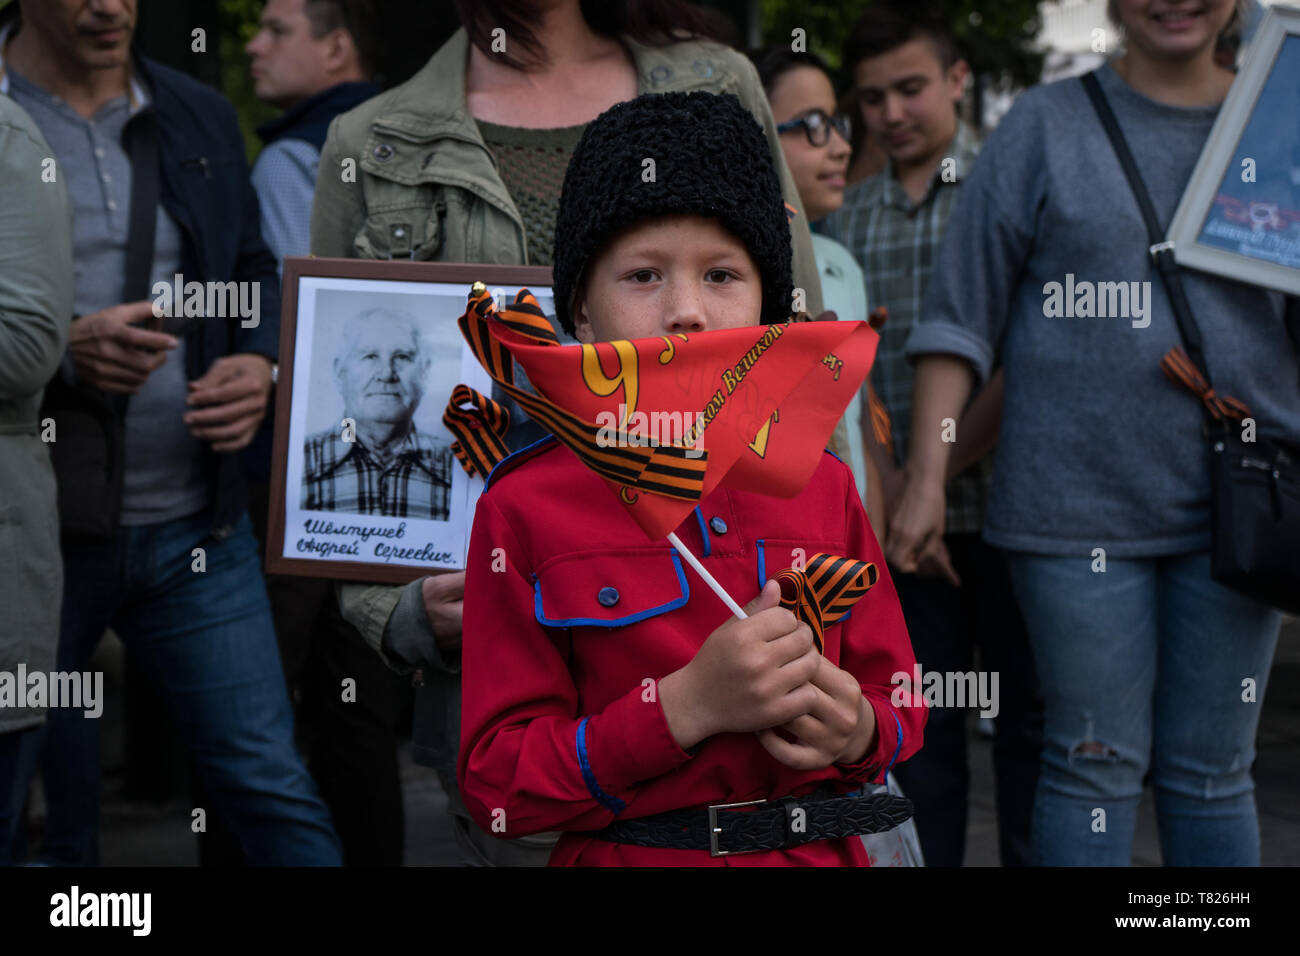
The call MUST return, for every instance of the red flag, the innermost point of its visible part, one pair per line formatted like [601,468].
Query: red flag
[666,420]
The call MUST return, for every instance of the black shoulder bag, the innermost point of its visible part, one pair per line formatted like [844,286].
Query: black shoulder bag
[1254,486]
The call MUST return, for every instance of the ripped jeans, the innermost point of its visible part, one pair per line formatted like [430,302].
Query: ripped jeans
[1149,664]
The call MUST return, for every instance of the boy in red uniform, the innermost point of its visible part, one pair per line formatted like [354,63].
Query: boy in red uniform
[607,692]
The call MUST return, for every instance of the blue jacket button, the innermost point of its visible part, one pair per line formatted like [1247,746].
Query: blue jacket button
[608,597]
[718,525]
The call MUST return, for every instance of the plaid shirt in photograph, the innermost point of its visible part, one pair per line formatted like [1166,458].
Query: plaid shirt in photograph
[895,241]
[345,476]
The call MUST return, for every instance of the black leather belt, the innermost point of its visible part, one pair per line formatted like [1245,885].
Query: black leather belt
[725,829]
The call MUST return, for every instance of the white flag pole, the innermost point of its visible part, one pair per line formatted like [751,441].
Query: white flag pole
[709,579]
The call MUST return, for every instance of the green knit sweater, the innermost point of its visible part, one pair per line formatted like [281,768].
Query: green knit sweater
[531,163]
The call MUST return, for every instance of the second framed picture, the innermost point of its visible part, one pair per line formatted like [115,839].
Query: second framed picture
[364,484]
[1240,214]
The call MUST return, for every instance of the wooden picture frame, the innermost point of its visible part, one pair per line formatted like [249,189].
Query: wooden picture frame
[344,326]
[1240,214]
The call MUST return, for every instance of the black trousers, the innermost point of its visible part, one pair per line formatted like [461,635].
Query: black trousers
[947,625]
[349,709]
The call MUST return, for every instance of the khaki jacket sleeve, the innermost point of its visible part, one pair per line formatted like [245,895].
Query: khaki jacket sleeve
[806,277]
[338,208]
[36,302]
[367,607]
[35,260]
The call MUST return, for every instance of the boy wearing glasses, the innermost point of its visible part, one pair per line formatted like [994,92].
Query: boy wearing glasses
[908,79]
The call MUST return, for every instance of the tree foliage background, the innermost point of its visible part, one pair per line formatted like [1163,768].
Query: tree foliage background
[239,19]
[996,36]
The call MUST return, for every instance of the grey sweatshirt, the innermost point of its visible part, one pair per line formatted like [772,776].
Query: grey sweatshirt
[1097,448]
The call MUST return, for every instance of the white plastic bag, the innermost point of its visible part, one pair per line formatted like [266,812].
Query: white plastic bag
[899,846]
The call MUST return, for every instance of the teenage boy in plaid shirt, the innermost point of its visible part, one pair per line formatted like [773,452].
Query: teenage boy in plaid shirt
[908,79]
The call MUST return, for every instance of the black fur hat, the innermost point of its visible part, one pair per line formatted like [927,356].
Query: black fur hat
[710,159]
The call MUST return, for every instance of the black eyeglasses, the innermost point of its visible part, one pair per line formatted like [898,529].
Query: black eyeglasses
[817,126]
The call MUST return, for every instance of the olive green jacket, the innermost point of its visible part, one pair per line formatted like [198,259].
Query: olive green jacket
[36,285]
[421,185]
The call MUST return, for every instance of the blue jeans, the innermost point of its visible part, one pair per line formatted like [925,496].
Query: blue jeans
[1150,664]
[206,641]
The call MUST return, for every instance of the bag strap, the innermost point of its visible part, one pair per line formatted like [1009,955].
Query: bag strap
[143,221]
[1162,252]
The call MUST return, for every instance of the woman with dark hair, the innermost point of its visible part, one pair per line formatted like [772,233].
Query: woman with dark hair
[464,163]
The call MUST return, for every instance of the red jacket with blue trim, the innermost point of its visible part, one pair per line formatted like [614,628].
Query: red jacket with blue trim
[572,616]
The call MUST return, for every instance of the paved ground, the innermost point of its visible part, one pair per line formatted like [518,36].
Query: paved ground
[147,834]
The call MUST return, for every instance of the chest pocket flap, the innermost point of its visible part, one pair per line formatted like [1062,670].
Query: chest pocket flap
[610,588]
[404,217]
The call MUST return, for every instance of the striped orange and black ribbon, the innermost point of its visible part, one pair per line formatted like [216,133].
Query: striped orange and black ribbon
[479,426]
[661,469]
[1183,370]
[881,425]
[825,590]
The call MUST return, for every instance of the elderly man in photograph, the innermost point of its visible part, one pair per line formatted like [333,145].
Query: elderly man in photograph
[375,461]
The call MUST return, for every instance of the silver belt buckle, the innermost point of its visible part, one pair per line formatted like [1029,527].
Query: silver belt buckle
[715,830]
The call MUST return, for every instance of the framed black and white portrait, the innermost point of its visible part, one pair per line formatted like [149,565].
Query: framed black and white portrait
[365,485]
[1240,214]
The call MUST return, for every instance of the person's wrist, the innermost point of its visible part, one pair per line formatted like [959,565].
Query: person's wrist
[681,714]
[863,737]
[925,474]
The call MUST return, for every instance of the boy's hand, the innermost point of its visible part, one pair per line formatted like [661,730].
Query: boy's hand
[840,727]
[748,675]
